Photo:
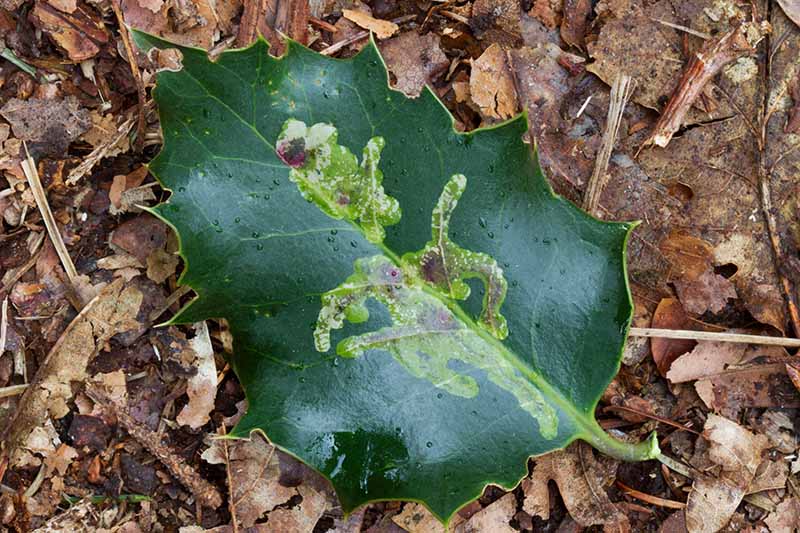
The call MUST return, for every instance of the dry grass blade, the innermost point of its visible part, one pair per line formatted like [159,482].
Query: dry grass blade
[649,498]
[32,175]
[714,336]
[620,93]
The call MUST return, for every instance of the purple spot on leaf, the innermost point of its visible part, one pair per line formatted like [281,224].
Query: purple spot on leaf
[292,152]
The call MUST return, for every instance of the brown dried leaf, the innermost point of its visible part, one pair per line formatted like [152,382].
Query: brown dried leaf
[497,21]
[495,517]
[575,21]
[416,518]
[49,126]
[255,472]
[414,59]
[81,33]
[785,517]
[707,358]
[202,386]
[669,315]
[491,85]
[714,499]
[383,28]
[582,481]
[792,10]
[113,311]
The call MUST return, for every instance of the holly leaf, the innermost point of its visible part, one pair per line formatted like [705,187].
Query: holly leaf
[415,313]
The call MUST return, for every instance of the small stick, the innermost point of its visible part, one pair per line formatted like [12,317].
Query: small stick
[21,270]
[205,492]
[3,325]
[701,68]
[323,25]
[231,502]
[137,76]
[12,390]
[663,420]
[29,168]
[171,299]
[678,27]
[620,93]
[649,498]
[714,336]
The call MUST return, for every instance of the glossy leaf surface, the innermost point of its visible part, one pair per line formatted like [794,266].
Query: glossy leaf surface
[414,312]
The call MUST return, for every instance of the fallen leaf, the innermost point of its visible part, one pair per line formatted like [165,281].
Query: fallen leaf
[792,10]
[161,265]
[383,28]
[81,33]
[708,357]
[123,183]
[202,386]
[113,311]
[574,22]
[416,518]
[49,126]
[582,481]
[140,236]
[255,472]
[785,517]
[492,86]
[752,385]
[669,314]
[714,499]
[414,59]
[495,517]
[497,21]
[301,517]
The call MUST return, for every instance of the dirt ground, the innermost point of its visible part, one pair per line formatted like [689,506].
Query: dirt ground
[684,114]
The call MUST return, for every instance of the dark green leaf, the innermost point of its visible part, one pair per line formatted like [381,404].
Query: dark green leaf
[414,312]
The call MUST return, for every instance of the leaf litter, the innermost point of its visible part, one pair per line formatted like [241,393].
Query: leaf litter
[701,184]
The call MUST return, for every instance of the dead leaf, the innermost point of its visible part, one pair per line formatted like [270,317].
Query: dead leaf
[254,469]
[714,499]
[669,314]
[302,517]
[785,517]
[492,86]
[123,183]
[792,10]
[383,29]
[49,126]
[415,518]
[202,387]
[414,60]
[706,358]
[113,311]
[582,481]
[497,21]
[752,385]
[81,33]
[575,20]
[495,517]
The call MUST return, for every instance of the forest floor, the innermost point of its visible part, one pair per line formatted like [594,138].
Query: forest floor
[698,139]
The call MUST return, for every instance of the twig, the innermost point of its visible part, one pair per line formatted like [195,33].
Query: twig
[649,498]
[663,420]
[678,27]
[3,325]
[205,492]
[620,93]
[323,25]
[141,123]
[12,390]
[765,195]
[29,168]
[99,153]
[702,67]
[332,49]
[714,336]
[231,502]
